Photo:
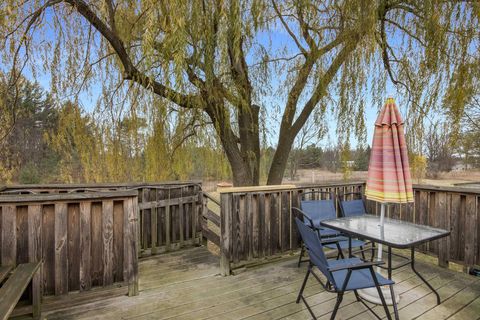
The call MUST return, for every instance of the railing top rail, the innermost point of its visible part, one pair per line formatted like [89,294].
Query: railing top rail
[96,185]
[456,189]
[289,187]
[166,187]
[19,198]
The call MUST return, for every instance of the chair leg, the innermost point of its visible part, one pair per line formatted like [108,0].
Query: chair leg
[373,251]
[384,303]
[302,251]
[303,284]
[363,253]
[356,295]
[339,251]
[395,309]
[337,304]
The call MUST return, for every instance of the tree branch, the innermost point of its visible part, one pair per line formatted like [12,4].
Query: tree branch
[287,28]
[131,72]
[325,80]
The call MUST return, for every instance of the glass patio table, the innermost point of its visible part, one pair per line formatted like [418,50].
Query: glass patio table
[393,234]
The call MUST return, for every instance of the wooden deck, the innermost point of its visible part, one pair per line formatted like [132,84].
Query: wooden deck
[187,285]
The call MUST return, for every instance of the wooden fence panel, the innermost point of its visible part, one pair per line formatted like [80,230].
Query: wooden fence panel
[169,217]
[83,239]
[261,224]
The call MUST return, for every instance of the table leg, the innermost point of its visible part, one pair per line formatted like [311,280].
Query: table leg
[389,263]
[412,264]
[350,255]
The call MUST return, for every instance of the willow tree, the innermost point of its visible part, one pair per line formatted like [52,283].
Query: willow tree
[226,62]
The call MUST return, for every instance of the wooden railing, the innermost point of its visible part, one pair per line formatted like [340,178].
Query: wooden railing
[452,208]
[257,223]
[170,212]
[170,217]
[85,240]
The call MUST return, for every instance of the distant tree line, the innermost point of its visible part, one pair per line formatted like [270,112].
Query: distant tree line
[42,140]
[329,158]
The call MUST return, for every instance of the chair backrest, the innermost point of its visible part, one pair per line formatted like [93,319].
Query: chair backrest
[319,210]
[349,208]
[315,249]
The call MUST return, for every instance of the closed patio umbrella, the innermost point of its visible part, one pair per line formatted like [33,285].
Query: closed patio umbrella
[389,179]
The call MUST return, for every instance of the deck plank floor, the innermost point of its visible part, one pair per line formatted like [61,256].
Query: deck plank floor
[187,285]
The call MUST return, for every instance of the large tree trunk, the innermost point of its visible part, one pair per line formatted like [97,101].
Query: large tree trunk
[280,159]
[243,151]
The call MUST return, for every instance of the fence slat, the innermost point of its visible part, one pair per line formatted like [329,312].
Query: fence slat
[107,235]
[73,236]
[61,260]
[471,242]
[85,245]
[118,251]
[48,252]
[225,234]
[9,235]
[131,214]
[35,251]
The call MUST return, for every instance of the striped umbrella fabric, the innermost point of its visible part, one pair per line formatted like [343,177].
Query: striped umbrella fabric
[389,179]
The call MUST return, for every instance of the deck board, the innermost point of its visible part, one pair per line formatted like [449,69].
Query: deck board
[187,285]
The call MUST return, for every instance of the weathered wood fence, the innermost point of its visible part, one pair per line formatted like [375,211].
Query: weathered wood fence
[170,217]
[91,235]
[85,240]
[452,208]
[257,223]
[116,223]
[170,212]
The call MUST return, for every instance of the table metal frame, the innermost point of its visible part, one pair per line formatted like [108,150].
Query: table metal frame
[409,261]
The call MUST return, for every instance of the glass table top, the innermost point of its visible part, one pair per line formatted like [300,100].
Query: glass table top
[396,233]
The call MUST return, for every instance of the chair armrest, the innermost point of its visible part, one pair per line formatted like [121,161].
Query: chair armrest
[362,265]
[331,240]
[304,216]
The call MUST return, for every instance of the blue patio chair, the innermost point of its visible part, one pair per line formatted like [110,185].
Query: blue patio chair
[341,275]
[354,207]
[332,240]
[317,206]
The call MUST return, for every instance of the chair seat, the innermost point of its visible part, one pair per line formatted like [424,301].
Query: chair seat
[359,279]
[344,244]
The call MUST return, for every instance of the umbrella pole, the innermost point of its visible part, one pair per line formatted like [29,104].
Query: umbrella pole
[380,246]
[371,294]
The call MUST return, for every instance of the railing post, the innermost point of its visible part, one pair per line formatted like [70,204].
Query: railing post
[203,208]
[225,232]
[131,214]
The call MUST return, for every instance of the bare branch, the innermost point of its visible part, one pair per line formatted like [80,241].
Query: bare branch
[287,28]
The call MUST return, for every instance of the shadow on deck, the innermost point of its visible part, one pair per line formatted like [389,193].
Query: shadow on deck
[186,285]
